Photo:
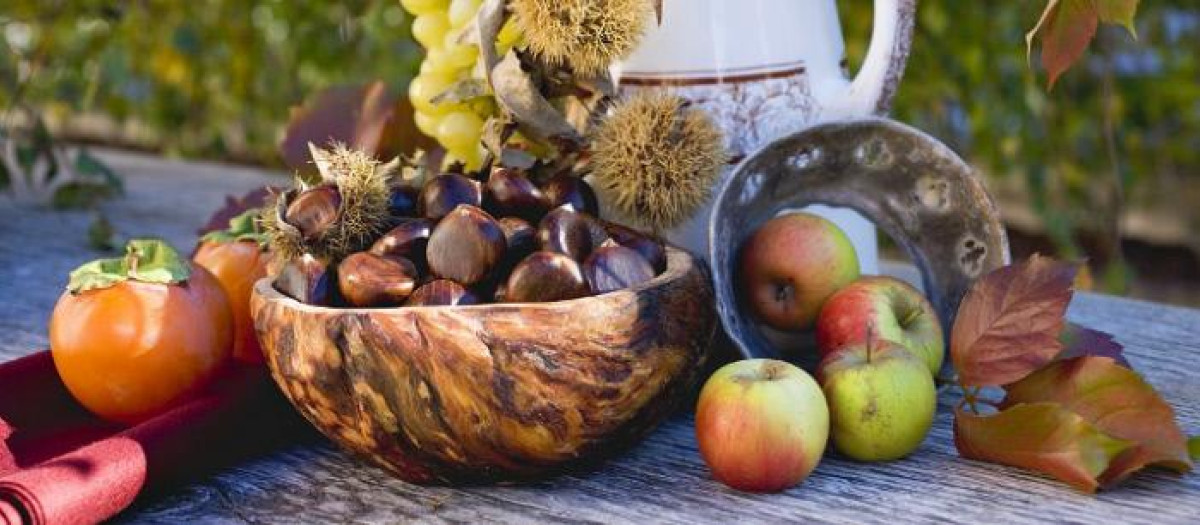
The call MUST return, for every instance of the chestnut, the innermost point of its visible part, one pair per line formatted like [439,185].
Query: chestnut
[500,293]
[442,292]
[465,246]
[566,189]
[314,210]
[511,194]
[366,279]
[402,202]
[306,279]
[651,249]
[407,239]
[565,231]
[520,236]
[444,193]
[545,277]
[615,267]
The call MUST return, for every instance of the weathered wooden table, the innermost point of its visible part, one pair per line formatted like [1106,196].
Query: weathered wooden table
[661,480]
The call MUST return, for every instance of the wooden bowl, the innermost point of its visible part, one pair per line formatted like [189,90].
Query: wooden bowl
[492,392]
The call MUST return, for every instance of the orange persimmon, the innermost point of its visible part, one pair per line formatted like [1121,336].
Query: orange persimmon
[134,336]
[237,265]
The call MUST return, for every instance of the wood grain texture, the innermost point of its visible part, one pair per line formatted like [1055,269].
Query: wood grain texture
[469,394]
[662,480]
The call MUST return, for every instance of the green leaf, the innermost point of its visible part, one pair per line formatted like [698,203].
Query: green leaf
[1119,12]
[155,261]
[88,165]
[1118,402]
[1044,437]
[145,260]
[100,233]
[1194,448]
[101,273]
[244,227]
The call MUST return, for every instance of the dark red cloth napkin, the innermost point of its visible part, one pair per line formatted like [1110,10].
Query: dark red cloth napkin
[60,464]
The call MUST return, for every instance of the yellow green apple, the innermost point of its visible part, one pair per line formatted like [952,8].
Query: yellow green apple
[890,309]
[791,265]
[761,425]
[881,400]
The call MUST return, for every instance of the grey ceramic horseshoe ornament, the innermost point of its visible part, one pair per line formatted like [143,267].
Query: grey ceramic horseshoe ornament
[909,184]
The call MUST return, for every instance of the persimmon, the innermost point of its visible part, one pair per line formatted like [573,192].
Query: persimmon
[237,258]
[134,336]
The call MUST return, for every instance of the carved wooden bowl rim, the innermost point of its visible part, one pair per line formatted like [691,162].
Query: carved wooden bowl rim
[679,264]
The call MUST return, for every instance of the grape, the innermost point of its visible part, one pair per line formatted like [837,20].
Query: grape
[461,56]
[430,30]
[460,130]
[510,35]
[427,123]
[438,62]
[462,11]
[437,27]
[426,86]
[471,158]
[422,7]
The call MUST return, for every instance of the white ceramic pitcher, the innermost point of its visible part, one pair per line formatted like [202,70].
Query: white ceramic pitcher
[767,68]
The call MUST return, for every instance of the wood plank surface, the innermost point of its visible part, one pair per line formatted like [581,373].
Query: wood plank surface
[662,480]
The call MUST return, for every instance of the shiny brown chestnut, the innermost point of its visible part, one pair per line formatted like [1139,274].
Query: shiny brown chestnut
[366,279]
[444,193]
[651,249]
[520,236]
[306,279]
[407,239]
[567,189]
[568,232]
[442,292]
[545,277]
[314,210]
[510,193]
[402,202]
[465,246]
[615,267]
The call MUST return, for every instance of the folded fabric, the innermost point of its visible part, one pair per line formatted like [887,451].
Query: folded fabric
[59,464]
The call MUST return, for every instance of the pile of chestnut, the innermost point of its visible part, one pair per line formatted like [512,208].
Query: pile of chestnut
[461,241]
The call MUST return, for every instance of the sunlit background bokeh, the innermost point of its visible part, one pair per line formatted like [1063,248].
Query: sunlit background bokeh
[1104,167]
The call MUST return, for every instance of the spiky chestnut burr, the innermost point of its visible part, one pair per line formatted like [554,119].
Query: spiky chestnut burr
[362,186]
[655,159]
[586,35]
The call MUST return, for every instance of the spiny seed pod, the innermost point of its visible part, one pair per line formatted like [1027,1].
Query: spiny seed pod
[587,35]
[655,159]
[361,183]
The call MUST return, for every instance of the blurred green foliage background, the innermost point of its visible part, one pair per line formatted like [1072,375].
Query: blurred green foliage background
[1115,147]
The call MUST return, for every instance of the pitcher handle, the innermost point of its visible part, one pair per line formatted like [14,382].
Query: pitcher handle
[871,91]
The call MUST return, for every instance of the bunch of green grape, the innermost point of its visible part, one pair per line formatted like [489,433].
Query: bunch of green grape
[437,27]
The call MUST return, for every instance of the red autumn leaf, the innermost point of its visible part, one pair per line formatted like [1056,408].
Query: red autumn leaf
[1067,27]
[1043,437]
[1080,341]
[365,117]
[1008,323]
[1118,402]
[354,115]
[235,206]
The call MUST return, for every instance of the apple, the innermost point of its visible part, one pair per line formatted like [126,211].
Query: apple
[761,425]
[791,265]
[890,308]
[881,400]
